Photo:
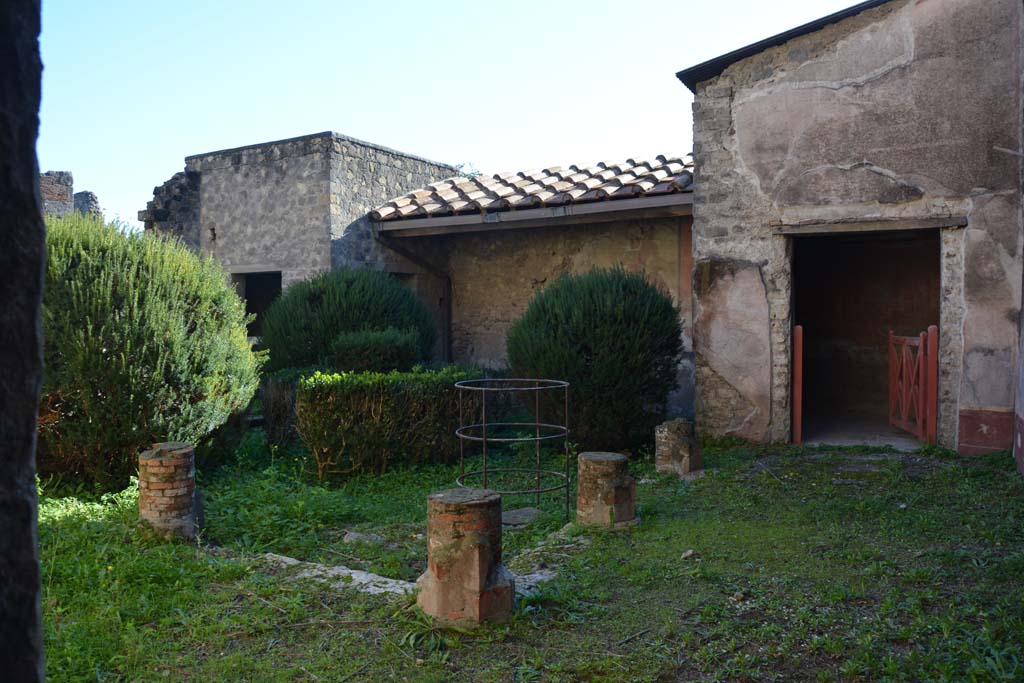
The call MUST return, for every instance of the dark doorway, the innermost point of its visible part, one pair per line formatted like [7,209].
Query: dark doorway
[259,290]
[849,291]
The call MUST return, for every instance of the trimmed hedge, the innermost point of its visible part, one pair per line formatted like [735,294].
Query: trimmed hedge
[375,350]
[616,337]
[369,421]
[144,342]
[302,325]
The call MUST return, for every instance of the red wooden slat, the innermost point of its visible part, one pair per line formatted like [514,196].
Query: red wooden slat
[932,401]
[798,384]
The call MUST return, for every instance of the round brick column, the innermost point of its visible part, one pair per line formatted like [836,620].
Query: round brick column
[465,582]
[167,483]
[605,493]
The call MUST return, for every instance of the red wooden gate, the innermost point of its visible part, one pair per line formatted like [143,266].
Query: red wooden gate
[913,383]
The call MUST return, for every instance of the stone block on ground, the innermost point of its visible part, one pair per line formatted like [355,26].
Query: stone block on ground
[520,516]
[465,582]
[605,492]
[677,450]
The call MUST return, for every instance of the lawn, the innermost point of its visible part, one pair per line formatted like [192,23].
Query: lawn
[779,564]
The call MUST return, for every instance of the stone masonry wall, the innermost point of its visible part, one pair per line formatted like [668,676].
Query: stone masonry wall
[362,177]
[298,206]
[495,274]
[57,189]
[897,113]
[267,207]
[87,203]
[174,209]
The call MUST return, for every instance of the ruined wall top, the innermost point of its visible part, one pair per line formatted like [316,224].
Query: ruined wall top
[57,188]
[59,196]
[325,142]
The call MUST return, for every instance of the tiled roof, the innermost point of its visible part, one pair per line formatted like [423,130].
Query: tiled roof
[556,186]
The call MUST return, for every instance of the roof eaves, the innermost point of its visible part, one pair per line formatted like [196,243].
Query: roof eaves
[713,67]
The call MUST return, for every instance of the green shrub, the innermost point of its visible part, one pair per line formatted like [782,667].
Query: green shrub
[301,326]
[375,350]
[368,421]
[617,339]
[144,342]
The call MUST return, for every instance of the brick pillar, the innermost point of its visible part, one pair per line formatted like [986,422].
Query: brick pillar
[605,493]
[465,582]
[167,483]
[676,449]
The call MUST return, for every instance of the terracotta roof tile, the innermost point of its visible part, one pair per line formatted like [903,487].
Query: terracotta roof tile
[551,186]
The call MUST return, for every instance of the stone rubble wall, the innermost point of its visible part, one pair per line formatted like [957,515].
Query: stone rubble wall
[174,209]
[60,199]
[267,207]
[87,203]
[57,189]
[362,177]
[895,113]
[298,206]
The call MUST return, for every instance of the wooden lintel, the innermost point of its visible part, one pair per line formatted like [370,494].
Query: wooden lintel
[883,225]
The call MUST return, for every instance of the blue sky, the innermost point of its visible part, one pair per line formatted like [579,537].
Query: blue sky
[131,87]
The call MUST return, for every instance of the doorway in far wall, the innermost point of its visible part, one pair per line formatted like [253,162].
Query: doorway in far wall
[258,290]
[849,291]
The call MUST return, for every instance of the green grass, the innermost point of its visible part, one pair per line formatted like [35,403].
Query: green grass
[812,565]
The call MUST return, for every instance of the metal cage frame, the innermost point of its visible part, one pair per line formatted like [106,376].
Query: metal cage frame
[542,431]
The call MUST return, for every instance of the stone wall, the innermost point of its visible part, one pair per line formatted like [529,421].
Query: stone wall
[495,274]
[174,209]
[298,206]
[900,112]
[267,207]
[362,177]
[57,190]
[87,203]
[59,197]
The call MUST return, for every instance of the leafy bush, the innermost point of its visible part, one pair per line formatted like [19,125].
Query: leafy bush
[301,326]
[145,342]
[617,339]
[368,421]
[375,350]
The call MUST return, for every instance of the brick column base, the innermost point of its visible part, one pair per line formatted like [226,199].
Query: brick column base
[465,583]
[605,493]
[167,483]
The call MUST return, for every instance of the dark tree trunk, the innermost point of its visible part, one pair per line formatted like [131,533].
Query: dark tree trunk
[22,260]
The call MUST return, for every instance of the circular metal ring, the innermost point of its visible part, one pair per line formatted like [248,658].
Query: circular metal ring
[460,480]
[511,384]
[556,432]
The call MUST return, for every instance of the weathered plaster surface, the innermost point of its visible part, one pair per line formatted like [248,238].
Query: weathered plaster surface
[895,113]
[733,328]
[496,274]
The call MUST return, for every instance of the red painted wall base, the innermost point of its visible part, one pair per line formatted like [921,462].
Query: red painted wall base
[985,431]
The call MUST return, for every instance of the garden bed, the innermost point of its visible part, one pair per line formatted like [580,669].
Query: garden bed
[780,564]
